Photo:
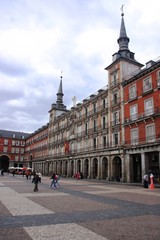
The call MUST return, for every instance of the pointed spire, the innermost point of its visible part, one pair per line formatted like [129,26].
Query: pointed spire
[123,40]
[60,94]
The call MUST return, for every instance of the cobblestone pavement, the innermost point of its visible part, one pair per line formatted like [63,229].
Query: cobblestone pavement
[77,210]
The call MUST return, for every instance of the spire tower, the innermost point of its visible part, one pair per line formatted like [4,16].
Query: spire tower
[123,40]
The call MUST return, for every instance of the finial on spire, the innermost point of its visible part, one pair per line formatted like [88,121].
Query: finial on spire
[61,74]
[122,14]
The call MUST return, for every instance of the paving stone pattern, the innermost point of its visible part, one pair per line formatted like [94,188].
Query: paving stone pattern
[77,210]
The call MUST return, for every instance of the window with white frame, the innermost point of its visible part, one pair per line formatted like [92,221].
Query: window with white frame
[147,84]
[16,158]
[22,143]
[158,78]
[5,141]
[132,92]
[148,106]
[134,136]
[17,143]
[12,150]
[17,150]
[133,112]
[150,133]
[5,149]
[13,142]
[22,150]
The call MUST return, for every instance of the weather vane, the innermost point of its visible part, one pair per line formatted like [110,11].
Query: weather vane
[122,10]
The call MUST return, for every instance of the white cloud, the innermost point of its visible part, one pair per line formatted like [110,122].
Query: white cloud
[39,39]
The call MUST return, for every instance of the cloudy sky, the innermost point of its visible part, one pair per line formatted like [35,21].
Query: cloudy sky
[41,38]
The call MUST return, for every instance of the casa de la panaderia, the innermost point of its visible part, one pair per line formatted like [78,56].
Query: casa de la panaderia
[114,134]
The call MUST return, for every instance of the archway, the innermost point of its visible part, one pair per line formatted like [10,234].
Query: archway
[117,168]
[137,169]
[4,162]
[79,166]
[86,168]
[72,168]
[95,168]
[104,168]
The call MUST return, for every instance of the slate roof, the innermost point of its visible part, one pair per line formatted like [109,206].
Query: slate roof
[13,134]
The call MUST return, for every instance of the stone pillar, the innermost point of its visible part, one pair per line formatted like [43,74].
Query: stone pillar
[129,169]
[143,164]
[99,176]
[90,174]
[123,168]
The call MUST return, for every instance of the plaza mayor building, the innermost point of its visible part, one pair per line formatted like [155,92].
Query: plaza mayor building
[114,134]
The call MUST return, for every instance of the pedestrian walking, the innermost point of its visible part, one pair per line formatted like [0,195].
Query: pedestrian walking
[35,180]
[2,172]
[78,176]
[145,181]
[52,180]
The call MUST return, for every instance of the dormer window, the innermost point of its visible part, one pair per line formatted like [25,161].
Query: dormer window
[147,84]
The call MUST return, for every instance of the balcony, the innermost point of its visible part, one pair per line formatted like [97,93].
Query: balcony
[149,140]
[116,122]
[149,113]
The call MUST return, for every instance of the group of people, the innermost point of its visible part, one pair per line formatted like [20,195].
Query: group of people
[146,179]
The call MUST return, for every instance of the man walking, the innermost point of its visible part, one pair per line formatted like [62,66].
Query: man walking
[35,181]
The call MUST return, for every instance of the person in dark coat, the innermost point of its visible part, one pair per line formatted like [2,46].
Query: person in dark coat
[35,181]
[145,181]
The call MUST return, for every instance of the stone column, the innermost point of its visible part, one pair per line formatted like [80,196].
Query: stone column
[143,164]
[99,168]
[90,168]
[129,169]
[123,168]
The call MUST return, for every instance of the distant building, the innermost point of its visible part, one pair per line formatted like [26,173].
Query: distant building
[12,147]
[36,147]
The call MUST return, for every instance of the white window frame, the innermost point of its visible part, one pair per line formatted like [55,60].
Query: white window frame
[5,149]
[134,136]
[148,106]
[5,141]
[150,133]
[147,84]
[133,112]
[132,92]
